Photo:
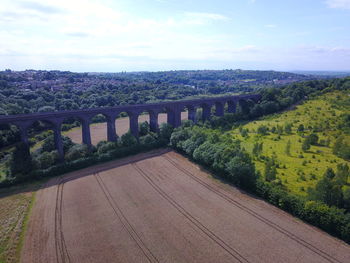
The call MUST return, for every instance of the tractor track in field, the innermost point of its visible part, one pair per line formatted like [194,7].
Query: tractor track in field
[213,189]
[233,252]
[125,222]
[159,207]
[62,254]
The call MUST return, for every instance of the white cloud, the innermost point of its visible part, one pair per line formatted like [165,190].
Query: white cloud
[270,26]
[198,18]
[341,4]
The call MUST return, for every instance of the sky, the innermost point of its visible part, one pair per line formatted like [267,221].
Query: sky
[157,35]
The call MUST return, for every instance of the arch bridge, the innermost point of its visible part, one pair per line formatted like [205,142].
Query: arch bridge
[172,109]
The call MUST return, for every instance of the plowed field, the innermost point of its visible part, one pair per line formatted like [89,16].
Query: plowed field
[159,207]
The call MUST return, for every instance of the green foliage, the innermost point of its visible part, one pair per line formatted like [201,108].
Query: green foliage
[313,139]
[128,139]
[150,138]
[165,131]
[306,144]
[288,145]
[47,159]
[49,143]
[288,128]
[270,170]
[341,148]
[257,148]
[301,128]
[21,161]
[262,130]
[76,152]
[104,146]
[328,190]
[144,128]
[241,171]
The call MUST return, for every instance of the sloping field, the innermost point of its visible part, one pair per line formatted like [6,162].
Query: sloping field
[159,207]
[99,130]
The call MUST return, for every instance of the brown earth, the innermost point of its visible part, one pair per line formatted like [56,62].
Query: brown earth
[99,130]
[159,207]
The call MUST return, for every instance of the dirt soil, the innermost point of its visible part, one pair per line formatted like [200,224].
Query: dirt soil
[99,130]
[160,207]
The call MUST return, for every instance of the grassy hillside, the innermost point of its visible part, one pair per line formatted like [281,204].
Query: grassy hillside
[299,170]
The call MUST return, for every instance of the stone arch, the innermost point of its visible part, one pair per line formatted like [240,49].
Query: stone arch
[122,122]
[72,128]
[94,128]
[28,129]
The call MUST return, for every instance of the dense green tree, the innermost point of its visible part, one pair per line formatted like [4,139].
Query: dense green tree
[270,171]
[288,128]
[341,148]
[301,128]
[21,160]
[241,171]
[47,159]
[49,143]
[148,139]
[306,144]
[328,190]
[165,130]
[144,128]
[257,148]
[288,146]
[128,139]
[76,152]
[313,139]
[262,130]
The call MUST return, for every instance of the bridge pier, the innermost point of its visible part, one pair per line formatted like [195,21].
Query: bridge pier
[111,130]
[134,124]
[219,109]
[232,106]
[153,121]
[192,114]
[86,132]
[206,112]
[23,129]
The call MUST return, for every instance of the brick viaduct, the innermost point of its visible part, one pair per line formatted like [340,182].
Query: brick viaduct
[173,110]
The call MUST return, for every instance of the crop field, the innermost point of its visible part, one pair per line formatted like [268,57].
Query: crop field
[99,130]
[160,207]
[15,206]
[300,170]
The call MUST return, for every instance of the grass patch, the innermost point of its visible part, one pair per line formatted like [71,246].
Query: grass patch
[15,207]
[300,169]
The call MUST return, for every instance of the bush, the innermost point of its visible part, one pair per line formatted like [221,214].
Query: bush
[78,151]
[128,139]
[104,146]
[148,139]
[165,131]
[47,159]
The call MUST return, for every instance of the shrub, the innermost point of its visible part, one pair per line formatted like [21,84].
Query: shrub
[78,151]
[128,139]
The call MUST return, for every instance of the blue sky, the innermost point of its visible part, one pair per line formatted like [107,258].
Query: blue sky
[134,35]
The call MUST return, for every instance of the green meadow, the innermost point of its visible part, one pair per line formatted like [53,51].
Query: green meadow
[297,169]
